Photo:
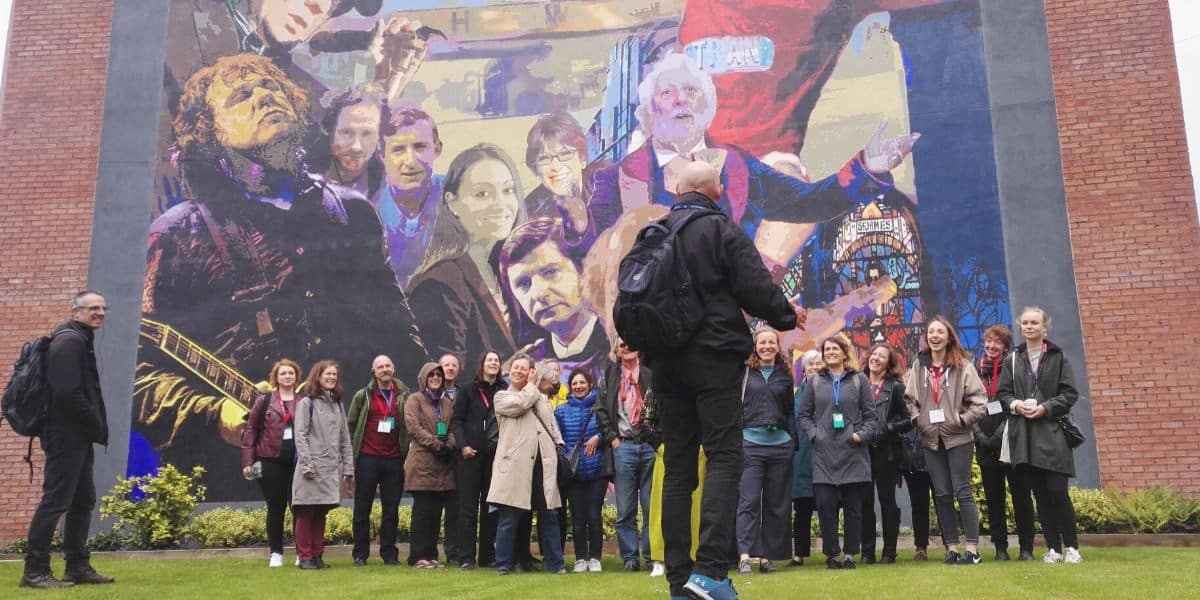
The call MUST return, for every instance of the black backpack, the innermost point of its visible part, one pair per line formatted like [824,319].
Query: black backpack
[27,397]
[657,309]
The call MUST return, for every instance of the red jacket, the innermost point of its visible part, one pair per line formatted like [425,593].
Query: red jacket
[263,435]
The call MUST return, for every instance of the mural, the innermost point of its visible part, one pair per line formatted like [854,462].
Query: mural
[345,178]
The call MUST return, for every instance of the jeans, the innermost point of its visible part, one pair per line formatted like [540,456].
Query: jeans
[885,476]
[386,474]
[763,508]
[634,464]
[802,512]
[67,488]
[1054,506]
[919,488]
[848,497]
[994,478]
[587,501]
[699,402]
[506,533]
[950,472]
[276,486]
[473,478]
[428,508]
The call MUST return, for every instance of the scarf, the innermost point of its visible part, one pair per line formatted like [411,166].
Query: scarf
[631,394]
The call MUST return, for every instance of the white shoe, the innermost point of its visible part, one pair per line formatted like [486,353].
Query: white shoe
[297,560]
[1052,557]
[657,569]
[581,566]
[276,560]
[1072,556]
[593,565]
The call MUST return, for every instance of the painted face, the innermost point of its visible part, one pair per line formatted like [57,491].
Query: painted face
[547,286]
[487,202]
[91,311]
[408,156]
[250,111]
[286,377]
[580,386]
[491,364]
[434,380]
[766,346]
[1033,325]
[355,139]
[290,21]
[993,347]
[329,378]
[383,369]
[561,169]
[678,107]
[518,373]
[814,367]
[832,354]
[936,336]
[878,360]
[449,365]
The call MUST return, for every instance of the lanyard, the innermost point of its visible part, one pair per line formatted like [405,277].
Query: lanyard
[287,414]
[994,383]
[837,394]
[935,373]
[437,407]
[483,395]
[385,405]
[878,388]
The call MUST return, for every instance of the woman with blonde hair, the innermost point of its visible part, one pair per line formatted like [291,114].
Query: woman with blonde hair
[268,442]
[768,442]
[945,400]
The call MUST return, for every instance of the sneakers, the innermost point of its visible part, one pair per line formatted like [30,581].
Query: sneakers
[593,565]
[848,562]
[1052,557]
[86,575]
[581,566]
[702,587]
[632,566]
[275,561]
[744,567]
[657,569]
[425,564]
[796,562]
[952,558]
[766,567]
[43,581]
[833,563]
[1072,557]
[969,558]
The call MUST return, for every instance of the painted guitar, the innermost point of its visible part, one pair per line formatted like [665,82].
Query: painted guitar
[210,369]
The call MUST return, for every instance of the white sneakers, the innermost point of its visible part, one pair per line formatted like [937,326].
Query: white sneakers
[1071,556]
[1052,557]
[593,565]
[276,560]
[657,569]
[581,566]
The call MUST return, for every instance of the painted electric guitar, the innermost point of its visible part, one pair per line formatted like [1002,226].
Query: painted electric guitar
[218,375]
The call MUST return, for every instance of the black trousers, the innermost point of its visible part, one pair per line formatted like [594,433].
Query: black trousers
[276,486]
[994,479]
[386,475]
[472,479]
[920,493]
[885,476]
[587,502]
[428,509]
[848,497]
[67,488]
[699,404]
[802,512]
[1054,507]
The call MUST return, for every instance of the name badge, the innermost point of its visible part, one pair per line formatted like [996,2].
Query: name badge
[385,425]
[839,421]
[937,416]
[441,429]
[994,407]
[287,432]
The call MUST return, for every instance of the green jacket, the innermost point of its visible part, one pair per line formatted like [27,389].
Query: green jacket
[356,417]
[1039,442]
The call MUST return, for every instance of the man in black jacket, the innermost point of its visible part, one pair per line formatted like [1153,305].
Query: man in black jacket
[697,389]
[75,420]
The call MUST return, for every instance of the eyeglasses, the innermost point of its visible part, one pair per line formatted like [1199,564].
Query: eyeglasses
[544,160]
[93,309]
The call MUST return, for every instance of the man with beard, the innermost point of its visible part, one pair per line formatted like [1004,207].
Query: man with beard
[265,261]
[352,123]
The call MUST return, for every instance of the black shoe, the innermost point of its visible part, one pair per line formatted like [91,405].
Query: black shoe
[833,563]
[868,558]
[308,565]
[951,558]
[1025,555]
[969,558]
[521,567]
[766,567]
[467,565]
[360,562]
[887,558]
[502,571]
[632,566]
[391,562]
[1002,554]
[796,562]
[848,563]
[43,581]
[320,560]
[85,575]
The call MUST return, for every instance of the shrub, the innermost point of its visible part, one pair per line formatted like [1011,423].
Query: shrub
[230,528]
[1155,509]
[1094,511]
[155,509]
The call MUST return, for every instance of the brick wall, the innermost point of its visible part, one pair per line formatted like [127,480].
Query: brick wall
[1135,234]
[49,142]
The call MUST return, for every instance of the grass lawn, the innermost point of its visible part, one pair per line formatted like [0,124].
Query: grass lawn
[1149,573]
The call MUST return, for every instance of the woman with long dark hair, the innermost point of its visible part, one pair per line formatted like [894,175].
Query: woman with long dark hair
[475,428]
[325,461]
[269,441]
[887,451]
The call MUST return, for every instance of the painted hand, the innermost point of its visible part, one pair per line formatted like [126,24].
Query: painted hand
[881,155]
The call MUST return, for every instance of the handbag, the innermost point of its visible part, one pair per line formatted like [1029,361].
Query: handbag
[1071,431]
[566,466]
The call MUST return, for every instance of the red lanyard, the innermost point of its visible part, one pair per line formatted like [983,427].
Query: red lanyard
[287,414]
[935,373]
[994,383]
[483,395]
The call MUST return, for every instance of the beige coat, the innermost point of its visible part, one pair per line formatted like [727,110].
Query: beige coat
[521,438]
[323,448]
[428,467]
[962,397]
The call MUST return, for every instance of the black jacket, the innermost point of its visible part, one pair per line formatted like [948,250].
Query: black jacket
[76,402]
[1039,442]
[608,413]
[473,418]
[988,431]
[729,272]
[769,401]
[894,422]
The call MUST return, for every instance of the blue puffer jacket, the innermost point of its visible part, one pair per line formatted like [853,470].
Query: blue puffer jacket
[574,416]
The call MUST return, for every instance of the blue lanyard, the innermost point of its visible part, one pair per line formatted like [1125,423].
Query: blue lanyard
[837,394]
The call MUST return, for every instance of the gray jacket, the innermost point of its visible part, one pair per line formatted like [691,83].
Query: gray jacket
[323,448]
[836,459]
